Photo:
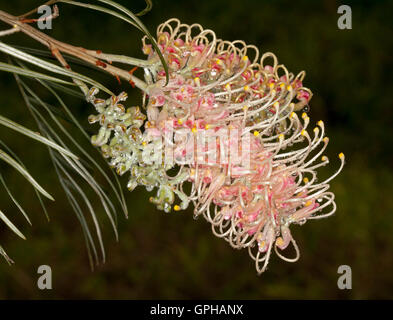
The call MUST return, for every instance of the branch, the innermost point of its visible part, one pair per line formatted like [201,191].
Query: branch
[90,56]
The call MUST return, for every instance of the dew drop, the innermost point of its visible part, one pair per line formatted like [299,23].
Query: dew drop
[306,109]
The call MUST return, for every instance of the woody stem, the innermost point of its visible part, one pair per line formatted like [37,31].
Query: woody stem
[90,56]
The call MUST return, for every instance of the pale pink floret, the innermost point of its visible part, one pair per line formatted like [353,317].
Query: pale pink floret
[215,88]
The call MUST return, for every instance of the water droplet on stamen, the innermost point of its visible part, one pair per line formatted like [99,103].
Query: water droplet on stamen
[306,109]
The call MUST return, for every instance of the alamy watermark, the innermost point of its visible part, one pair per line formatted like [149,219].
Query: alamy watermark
[344,282]
[47,14]
[44,281]
[345,20]
[191,146]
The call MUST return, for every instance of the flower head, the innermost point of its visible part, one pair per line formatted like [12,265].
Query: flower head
[227,120]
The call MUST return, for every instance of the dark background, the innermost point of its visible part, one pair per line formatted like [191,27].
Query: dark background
[163,256]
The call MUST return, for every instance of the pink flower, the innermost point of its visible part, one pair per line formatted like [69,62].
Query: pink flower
[253,185]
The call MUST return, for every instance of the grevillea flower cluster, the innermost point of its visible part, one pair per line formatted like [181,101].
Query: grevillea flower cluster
[223,134]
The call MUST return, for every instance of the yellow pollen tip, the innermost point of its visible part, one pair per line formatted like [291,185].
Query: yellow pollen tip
[194,130]
[304,115]
[279,241]
[303,132]
[276,105]
[144,143]
[245,108]
[271,86]
[218,61]
[305,180]
[341,155]
[281,136]
[176,208]
[316,129]
[324,158]
[292,105]
[292,114]
[262,244]
[273,92]
[326,139]
[207,127]
[320,123]
[245,58]
[180,121]
[308,203]
[282,85]
[256,133]
[197,80]
[228,86]
[246,88]
[289,88]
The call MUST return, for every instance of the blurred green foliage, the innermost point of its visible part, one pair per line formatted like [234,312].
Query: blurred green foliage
[172,256]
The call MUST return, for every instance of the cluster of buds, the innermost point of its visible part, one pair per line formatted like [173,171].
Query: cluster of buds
[122,141]
[227,122]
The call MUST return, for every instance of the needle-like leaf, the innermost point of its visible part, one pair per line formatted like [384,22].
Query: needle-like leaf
[11,225]
[5,157]
[49,66]
[31,134]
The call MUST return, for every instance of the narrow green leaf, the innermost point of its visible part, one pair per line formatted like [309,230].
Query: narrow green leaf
[87,202]
[145,31]
[68,58]
[11,225]
[13,199]
[22,164]
[134,21]
[49,66]
[28,73]
[119,193]
[74,164]
[5,256]
[101,9]
[31,134]
[4,156]
[90,245]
